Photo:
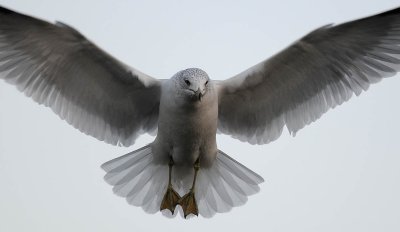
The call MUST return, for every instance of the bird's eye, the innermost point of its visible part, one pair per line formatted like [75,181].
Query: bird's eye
[187,82]
[206,82]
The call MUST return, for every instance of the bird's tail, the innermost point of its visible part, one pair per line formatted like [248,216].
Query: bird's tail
[136,177]
[142,181]
[226,184]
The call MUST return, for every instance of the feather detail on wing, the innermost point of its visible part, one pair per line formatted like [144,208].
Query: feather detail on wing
[318,72]
[58,67]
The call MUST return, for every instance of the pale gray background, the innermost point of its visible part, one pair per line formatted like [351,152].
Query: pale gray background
[338,174]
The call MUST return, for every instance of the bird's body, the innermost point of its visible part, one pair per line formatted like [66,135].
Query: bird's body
[187,126]
[102,97]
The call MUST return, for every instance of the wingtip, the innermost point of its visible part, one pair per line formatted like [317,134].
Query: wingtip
[4,10]
[395,11]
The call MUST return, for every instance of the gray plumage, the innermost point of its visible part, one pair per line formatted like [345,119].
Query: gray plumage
[102,97]
[58,67]
[318,72]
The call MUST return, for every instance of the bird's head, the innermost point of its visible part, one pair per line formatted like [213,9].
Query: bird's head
[193,83]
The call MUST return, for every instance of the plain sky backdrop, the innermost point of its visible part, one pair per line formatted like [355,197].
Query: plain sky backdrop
[340,173]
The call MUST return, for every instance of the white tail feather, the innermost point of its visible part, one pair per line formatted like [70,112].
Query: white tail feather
[226,184]
[136,177]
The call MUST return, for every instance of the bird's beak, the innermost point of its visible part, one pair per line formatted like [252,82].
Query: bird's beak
[200,95]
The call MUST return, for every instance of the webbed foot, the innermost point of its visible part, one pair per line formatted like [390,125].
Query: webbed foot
[189,205]
[170,200]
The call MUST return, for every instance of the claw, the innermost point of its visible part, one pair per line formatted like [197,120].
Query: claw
[170,200]
[189,205]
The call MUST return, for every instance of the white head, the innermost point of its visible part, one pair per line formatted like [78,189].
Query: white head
[192,83]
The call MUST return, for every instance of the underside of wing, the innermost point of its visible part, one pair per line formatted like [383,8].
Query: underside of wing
[320,71]
[58,67]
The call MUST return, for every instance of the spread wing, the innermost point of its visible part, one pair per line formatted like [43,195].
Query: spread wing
[316,73]
[58,67]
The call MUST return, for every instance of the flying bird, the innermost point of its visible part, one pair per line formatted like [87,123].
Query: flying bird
[182,168]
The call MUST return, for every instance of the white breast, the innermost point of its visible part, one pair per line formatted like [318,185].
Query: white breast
[187,129]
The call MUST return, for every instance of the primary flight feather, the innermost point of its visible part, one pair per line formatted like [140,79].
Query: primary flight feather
[102,97]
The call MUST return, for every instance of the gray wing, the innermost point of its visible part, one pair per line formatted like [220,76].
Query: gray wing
[316,73]
[58,67]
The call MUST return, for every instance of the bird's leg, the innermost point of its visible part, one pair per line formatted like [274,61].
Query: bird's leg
[171,197]
[188,201]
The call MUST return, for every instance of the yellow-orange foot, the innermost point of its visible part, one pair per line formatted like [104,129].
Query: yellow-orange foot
[170,200]
[189,205]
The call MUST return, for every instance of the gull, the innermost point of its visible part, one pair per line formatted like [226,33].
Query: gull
[183,168]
